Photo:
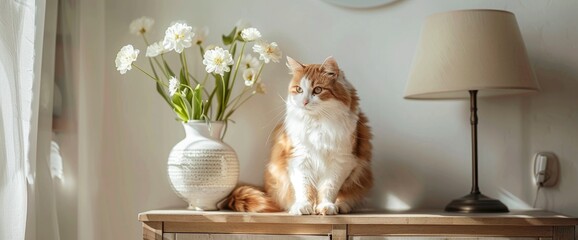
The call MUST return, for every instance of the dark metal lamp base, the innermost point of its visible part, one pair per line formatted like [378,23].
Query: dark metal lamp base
[476,203]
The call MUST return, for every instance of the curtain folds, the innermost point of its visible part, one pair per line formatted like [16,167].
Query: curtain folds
[16,82]
[25,122]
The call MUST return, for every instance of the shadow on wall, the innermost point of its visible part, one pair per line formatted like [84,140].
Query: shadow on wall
[511,130]
[399,190]
[553,125]
[363,5]
[544,121]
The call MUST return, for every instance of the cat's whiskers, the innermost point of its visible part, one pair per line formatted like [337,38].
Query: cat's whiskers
[282,99]
[279,116]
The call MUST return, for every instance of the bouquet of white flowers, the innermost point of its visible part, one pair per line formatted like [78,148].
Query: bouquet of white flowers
[188,95]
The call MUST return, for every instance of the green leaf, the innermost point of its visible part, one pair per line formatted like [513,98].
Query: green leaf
[228,89]
[183,77]
[228,39]
[177,105]
[197,102]
[239,38]
[179,108]
[159,88]
[187,106]
[209,102]
[233,50]
[168,68]
[221,94]
[181,115]
[163,94]
[202,51]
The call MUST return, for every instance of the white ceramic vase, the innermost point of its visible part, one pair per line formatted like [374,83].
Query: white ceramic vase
[203,169]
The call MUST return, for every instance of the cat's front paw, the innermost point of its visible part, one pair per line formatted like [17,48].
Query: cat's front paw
[326,208]
[343,207]
[301,208]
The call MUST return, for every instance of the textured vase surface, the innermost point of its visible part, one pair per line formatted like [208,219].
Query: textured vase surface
[203,169]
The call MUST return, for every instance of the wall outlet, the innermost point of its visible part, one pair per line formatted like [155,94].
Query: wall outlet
[546,169]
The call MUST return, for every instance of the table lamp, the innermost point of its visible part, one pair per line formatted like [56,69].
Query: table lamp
[471,53]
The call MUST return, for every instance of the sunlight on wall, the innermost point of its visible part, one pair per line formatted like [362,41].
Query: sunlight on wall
[395,204]
[511,200]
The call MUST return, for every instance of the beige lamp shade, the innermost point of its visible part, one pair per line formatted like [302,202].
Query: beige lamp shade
[470,50]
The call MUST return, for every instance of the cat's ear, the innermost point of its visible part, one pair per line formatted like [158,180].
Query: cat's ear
[293,65]
[330,67]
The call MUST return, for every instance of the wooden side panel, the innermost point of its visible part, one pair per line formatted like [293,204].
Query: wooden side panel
[442,238]
[152,230]
[564,233]
[183,236]
[187,236]
[339,232]
[428,230]
[169,236]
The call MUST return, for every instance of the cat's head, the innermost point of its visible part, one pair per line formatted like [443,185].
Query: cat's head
[318,88]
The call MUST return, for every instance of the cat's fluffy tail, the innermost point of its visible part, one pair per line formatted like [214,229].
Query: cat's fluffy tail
[249,199]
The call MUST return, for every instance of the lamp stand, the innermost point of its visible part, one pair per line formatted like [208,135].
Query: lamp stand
[475,202]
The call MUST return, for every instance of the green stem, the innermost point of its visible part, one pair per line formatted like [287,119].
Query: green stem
[222,99]
[236,99]
[161,67]
[225,130]
[237,66]
[145,39]
[184,62]
[241,104]
[238,106]
[164,61]
[259,73]
[240,96]
[202,50]
[203,83]
[205,80]
[156,79]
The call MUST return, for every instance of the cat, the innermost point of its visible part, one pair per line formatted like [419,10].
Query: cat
[320,159]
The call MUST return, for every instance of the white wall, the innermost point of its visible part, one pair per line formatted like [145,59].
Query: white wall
[421,148]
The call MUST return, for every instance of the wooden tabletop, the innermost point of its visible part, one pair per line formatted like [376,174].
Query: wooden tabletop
[414,217]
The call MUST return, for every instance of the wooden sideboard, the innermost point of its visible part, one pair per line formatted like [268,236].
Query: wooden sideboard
[185,224]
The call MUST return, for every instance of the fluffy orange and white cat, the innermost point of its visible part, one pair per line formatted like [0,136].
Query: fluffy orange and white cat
[320,160]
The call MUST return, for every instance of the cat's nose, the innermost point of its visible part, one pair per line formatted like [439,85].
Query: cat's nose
[305,102]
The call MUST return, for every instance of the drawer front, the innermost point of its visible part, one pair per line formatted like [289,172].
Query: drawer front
[192,236]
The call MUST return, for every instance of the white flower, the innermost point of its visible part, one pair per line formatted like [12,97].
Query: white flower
[217,61]
[173,86]
[249,77]
[178,37]
[248,61]
[250,34]
[141,25]
[268,51]
[155,49]
[200,34]
[125,57]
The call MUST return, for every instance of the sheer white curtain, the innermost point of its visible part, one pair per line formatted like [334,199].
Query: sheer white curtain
[25,119]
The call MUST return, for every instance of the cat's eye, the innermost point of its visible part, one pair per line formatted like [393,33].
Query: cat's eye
[317,90]
[298,89]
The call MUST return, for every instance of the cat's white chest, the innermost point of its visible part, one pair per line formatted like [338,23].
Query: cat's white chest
[323,135]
